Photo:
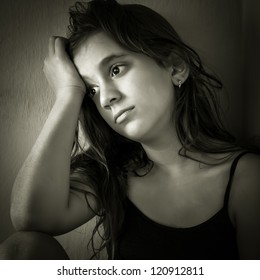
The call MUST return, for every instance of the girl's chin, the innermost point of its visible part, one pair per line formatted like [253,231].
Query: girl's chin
[134,130]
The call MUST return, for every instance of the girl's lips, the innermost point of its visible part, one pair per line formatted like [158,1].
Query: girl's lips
[122,114]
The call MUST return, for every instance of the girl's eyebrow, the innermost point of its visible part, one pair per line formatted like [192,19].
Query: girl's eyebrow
[110,58]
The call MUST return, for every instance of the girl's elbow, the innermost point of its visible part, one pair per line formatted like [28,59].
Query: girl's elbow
[23,220]
[20,221]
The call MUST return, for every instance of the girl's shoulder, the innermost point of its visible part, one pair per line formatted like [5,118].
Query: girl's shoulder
[247,167]
[245,176]
[245,202]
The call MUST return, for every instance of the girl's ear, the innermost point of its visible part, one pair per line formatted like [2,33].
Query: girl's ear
[180,74]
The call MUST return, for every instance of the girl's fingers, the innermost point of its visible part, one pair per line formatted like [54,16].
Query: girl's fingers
[60,46]
[52,45]
[59,68]
[57,45]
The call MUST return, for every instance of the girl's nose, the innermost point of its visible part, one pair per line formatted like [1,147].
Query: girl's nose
[108,96]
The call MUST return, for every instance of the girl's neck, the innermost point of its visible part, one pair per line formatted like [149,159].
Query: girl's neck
[163,150]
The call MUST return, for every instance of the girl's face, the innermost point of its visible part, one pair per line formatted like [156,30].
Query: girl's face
[132,93]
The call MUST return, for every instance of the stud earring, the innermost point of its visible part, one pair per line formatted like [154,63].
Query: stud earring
[179,83]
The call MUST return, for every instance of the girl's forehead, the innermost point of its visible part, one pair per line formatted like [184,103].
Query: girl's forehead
[99,45]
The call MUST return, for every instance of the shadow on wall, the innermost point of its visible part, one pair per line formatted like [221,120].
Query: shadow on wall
[213,28]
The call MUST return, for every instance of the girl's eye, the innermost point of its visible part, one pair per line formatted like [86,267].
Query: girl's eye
[91,92]
[115,71]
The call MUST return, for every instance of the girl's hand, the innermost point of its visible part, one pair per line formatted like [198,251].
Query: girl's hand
[60,70]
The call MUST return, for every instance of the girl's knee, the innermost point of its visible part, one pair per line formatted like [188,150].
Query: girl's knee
[29,245]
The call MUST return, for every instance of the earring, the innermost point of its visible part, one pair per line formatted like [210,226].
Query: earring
[179,83]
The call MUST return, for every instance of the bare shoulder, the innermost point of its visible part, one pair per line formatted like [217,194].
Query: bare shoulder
[246,181]
[245,201]
[249,164]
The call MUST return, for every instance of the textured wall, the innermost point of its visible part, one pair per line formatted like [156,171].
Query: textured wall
[213,28]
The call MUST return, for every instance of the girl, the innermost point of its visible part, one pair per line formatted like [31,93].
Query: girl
[159,170]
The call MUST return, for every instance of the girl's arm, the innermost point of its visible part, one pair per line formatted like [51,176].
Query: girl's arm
[245,198]
[41,196]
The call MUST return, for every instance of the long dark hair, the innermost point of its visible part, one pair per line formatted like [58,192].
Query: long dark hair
[110,156]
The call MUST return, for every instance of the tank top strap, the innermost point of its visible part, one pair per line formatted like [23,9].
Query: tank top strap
[231,175]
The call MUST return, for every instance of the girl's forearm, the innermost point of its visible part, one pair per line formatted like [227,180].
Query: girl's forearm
[41,189]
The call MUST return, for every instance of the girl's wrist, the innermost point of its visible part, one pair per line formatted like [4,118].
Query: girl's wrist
[68,93]
[70,97]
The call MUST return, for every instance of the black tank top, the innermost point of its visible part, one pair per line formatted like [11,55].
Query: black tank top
[143,239]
